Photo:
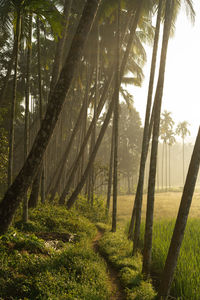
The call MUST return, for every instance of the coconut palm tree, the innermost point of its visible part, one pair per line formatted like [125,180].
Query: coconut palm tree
[182,130]
[138,198]
[166,126]
[153,160]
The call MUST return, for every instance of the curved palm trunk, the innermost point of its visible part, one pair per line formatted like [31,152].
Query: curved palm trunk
[17,190]
[181,222]
[27,95]
[13,104]
[153,160]
[138,198]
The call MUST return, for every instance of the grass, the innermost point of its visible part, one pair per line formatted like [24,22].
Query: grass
[186,283]
[30,268]
[118,251]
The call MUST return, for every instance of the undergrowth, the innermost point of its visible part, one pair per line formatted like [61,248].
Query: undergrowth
[118,251]
[30,268]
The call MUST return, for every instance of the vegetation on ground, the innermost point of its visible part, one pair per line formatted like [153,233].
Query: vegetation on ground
[32,268]
[118,251]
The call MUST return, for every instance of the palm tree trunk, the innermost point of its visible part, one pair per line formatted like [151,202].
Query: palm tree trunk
[13,104]
[27,95]
[102,100]
[181,222]
[139,192]
[163,151]
[17,190]
[60,46]
[110,174]
[116,125]
[153,160]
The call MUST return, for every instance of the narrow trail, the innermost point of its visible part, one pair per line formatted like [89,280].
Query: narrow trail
[117,292]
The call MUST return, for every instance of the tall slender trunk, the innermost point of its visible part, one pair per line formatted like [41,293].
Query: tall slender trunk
[134,20]
[163,152]
[17,190]
[181,221]
[27,96]
[13,103]
[145,142]
[169,166]
[116,124]
[41,102]
[153,160]
[57,66]
[110,174]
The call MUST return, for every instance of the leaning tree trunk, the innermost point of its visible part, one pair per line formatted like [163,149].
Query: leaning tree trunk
[77,190]
[17,190]
[139,193]
[134,20]
[27,95]
[181,221]
[116,124]
[153,160]
[60,46]
[13,103]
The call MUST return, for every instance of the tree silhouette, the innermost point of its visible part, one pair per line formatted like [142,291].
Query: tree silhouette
[182,130]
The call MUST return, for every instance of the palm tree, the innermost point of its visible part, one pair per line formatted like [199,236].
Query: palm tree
[17,190]
[182,130]
[166,126]
[116,123]
[152,173]
[136,212]
[181,222]
[170,140]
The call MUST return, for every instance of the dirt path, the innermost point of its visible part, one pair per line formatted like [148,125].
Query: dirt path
[117,292]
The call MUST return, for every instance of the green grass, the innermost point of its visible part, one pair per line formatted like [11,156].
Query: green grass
[118,251]
[186,283]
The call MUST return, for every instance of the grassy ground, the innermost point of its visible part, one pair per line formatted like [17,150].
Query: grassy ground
[166,206]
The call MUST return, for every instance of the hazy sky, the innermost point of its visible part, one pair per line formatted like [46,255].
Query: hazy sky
[182,78]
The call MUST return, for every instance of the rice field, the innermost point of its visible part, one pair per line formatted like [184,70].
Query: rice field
[186,284]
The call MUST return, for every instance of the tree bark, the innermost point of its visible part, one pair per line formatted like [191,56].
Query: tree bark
[17,190]
[181,221]
[153,160]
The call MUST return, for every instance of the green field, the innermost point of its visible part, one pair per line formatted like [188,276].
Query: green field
[186,284]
